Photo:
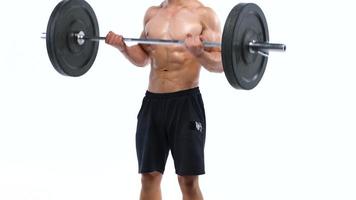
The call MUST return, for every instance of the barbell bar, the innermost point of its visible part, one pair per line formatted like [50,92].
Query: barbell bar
[253,45]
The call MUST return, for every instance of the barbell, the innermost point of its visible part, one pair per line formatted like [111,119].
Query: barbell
[72,40]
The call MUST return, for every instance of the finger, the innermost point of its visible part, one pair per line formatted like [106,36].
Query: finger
[120,41]
[120,38]
[188,37]
[107,37]
[197,42]
[192,44]
[115,39]
[122,44]
[110,38]
[188,41]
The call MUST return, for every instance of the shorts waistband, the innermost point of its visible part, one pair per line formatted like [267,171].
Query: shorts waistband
[173,94]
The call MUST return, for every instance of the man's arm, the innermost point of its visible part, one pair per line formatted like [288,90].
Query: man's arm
[208,57]
[136,53]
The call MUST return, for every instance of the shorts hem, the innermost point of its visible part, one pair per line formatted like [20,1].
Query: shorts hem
[190,173]
[150,171]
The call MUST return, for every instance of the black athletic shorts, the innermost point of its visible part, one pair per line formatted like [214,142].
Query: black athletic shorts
[171,121]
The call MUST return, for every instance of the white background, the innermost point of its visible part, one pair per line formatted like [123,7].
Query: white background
[293,137]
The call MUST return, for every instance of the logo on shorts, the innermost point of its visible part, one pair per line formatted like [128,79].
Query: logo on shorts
[197,126]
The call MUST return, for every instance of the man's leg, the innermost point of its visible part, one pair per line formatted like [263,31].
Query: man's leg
[151,186]
[190,187]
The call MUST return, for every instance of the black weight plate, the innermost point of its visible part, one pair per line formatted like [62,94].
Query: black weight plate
[245,23]
[66,55]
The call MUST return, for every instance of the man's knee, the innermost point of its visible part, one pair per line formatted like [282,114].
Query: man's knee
[189,184]
[151,180]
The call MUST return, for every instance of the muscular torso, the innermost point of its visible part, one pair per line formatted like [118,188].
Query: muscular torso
[173,68]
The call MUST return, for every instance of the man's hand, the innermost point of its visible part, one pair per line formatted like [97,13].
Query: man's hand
[194,44]
[115,41]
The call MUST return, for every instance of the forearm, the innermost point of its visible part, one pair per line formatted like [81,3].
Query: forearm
[211,61]
[136,55]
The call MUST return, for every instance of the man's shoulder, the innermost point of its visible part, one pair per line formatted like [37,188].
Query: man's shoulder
[151,12]
[153,9]
[205,11]
[208,17]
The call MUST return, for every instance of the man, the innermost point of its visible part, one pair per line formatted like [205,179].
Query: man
[172,115]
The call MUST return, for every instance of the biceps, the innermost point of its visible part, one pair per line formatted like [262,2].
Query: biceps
[212,36]
[142,46]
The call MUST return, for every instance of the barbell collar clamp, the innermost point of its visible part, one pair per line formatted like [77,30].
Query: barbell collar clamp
[266,46]
[43,35]
[80,36]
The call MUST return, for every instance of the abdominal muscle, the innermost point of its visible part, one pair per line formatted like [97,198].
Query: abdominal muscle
[172,69]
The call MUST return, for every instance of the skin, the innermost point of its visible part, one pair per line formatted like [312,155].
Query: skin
[174,67]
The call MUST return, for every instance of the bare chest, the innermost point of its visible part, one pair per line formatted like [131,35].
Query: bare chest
[173,25]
